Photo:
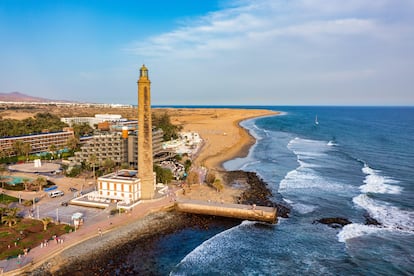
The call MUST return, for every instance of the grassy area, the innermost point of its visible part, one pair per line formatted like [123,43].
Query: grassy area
[5,199]
[27,233]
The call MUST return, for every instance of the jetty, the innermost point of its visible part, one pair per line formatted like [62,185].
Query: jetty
[230,210]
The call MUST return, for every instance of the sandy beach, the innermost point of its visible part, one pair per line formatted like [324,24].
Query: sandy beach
[223,139]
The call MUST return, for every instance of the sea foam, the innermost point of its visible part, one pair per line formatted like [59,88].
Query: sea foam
[376,183]
[354,230]
[390,216]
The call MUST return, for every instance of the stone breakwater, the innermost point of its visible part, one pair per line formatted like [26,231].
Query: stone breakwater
[257,193]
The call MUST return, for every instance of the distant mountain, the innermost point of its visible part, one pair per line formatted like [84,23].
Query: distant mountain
[20,97]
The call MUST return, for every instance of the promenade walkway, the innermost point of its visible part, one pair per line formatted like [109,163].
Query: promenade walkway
[38,255]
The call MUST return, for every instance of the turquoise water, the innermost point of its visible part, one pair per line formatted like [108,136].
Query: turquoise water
[15,179]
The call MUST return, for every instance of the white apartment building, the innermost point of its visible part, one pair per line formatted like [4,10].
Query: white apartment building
[92,121]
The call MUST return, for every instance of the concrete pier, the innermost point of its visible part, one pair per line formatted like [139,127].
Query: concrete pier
[240,211]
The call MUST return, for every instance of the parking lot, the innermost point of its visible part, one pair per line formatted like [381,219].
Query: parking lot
[52,206]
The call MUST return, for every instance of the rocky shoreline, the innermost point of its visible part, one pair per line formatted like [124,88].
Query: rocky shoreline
[257,193]
[133,249]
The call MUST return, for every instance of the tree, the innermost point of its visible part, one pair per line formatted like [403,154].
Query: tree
[163,175]
[11,216]
[9,220]
[108,164]
[92,163]
[3,171]
[163,121]
[46,222]
[40,182]
[82,129]
[26,149]
[193,178]
[53,149]
[17,147]
[3,154]
[26,183]
[187,165]
[210,178]
[3,210]
[218,185]
[72,143]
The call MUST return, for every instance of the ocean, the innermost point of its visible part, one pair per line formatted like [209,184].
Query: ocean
[354,162]
[324,162]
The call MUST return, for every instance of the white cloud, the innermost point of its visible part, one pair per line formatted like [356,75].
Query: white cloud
[284,41]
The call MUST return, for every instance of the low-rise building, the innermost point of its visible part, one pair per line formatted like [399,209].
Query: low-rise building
[92,121]
[122,186]
[38,142]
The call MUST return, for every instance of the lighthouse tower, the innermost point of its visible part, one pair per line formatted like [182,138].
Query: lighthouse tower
[145,159]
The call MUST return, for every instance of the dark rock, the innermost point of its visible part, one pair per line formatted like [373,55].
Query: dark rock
[257,193]
[334,222]
[370,220]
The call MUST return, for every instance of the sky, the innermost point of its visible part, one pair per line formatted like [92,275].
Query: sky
[211,52]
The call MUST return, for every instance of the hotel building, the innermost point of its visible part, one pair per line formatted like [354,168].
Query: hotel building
[38,142]
[92,121]
[120,147]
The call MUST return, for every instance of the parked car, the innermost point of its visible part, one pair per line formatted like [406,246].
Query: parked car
[64,203]
[56,193]
[73,189]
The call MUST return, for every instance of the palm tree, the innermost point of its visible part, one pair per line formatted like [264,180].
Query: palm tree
[26,149]
[11,216]
[3,154]
[3,171]
[3,210]
[218,185]
[92,161]
[72,143]
[26,182]
[108,164]
[193,178]
[53,149]
[17,147]
[46,222]
[9,220]
[40,182]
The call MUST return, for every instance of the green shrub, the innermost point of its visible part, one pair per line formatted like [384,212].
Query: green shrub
[68,228]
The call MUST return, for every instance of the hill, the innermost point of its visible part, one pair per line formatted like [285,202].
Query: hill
[20,97]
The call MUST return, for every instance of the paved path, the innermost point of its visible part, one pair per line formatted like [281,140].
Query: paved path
[39,254]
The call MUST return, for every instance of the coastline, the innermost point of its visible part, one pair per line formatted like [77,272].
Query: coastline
[224,139]
[214,153]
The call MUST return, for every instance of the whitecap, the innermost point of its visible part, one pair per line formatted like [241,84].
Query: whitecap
[331,143]
[376,183]
[354,230]
[389,216]
[303,208]
[304,177]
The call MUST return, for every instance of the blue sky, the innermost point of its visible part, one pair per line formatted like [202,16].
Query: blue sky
[248,52]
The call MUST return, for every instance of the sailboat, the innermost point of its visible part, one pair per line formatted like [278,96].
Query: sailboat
[316,120]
